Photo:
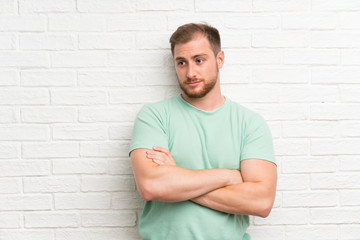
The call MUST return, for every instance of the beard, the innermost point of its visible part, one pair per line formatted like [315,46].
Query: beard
[206,88]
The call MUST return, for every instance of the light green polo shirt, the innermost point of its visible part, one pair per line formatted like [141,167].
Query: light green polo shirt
[199,140]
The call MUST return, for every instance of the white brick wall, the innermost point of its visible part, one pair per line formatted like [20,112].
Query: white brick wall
[74,73]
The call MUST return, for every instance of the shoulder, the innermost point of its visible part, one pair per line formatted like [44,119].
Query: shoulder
[160,108]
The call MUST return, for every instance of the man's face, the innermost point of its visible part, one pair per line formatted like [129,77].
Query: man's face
[196,66]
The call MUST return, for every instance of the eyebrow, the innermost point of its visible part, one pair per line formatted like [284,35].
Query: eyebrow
[193,57]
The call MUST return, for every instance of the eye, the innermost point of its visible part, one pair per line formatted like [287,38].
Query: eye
[181,63]
[199,60]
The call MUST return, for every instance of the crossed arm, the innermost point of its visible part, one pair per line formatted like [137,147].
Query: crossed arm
[250,192]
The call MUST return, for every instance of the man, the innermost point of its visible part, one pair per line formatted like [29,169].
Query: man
[202,162]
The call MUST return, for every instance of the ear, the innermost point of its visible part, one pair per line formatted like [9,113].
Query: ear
[220,59]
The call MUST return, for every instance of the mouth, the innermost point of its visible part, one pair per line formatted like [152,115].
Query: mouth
[194,83]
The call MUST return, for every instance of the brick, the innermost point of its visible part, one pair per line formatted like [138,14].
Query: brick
[311,232]
[104,149]
[133,22]
[78,97]
[336,75]
[47,42]
[109,219]
[335,181]
[79,132]
[255,21]
[349,197]
[29,23]
[49,115]
[51,220]
[165,77]
[349,20]
[98,234]
[329,111]
[280,39]
[27,234]
[8,6]
[22,168]
[107,183]
[120,166]
[350,57]
[127,200]
[51,184]
[281,111]
[8,78]
[311,57]
[25,202]
[293,182]
[221,6]
[309,94]
[91,201]
[109,114]
[76,22]
[265,232]
[286,216]
[43,6]
[107,6]
[321,21]
[24,132]
[24,59]
[106,78]
[291,147]
[79,166]
[329,147]
[309,164]
[9,150]
[350,231]
[280,6]
[79,59]
[23,96]
[120,132]
[131,94]
[310,199]
[48,78]
[350,129]
[349,93]
[333,5]
[281,75]
[242,94]
[7,41]
[253,57]
[335,40]
[177,19]
[309,129]
[106,41]
[8,186]
[10,220]
[235,39]
[152,40]
[50,150]
[159,5]
[335,216]
[160,58]
[349,163]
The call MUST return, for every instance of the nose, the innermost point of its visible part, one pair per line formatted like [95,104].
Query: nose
[191,73]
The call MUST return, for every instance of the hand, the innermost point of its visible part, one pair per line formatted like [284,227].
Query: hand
[236,177]
[161,156]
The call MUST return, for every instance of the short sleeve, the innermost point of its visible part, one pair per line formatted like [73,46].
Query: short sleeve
[149,129]
[258,140]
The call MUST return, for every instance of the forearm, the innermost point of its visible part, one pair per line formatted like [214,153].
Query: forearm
[248,198]
[174,184]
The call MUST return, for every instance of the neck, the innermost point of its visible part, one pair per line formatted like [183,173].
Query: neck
[209,102]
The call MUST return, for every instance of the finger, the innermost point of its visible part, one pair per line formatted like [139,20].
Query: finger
[160,149]
[158,162]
